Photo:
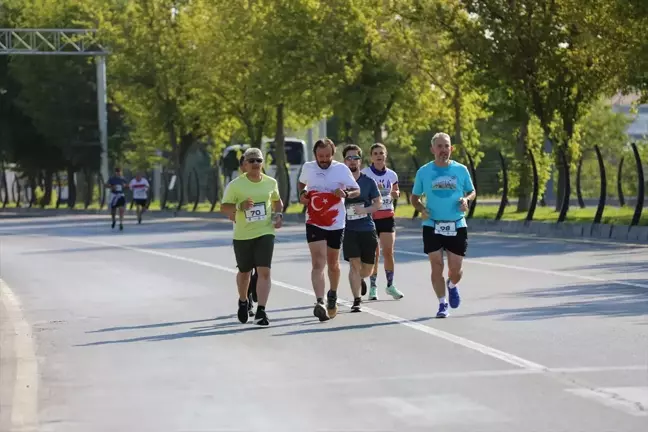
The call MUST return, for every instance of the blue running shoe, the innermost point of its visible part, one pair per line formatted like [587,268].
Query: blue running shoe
[443,310]
[453,293]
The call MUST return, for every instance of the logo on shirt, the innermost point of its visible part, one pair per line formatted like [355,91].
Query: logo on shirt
[445,183]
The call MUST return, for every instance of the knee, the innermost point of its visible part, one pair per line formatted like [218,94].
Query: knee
[388,253]
[334,267]
[454,273]
[263,273]
[318,265]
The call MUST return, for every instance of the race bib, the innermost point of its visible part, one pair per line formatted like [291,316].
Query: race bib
[139,193]
[118,188]
[387,203]
[352,215]
[445,228]
[256,213]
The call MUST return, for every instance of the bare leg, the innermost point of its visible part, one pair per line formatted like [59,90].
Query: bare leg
[333,265]
[242,282]
[438,282]
[318,260]
[455,271]
[355,277]
[263,285]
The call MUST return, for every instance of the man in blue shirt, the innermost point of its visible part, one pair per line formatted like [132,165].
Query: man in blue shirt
[360,237]
[448,190]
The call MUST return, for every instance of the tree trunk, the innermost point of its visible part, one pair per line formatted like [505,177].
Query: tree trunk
[525,172]
[48,182]
[72,190]
[456,103]
[377,132]
[280,157]
[173,139]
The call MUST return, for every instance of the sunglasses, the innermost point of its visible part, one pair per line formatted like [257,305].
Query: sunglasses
[350,158]
[254,161]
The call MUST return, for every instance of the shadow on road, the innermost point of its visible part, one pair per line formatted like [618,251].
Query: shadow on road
[598,299]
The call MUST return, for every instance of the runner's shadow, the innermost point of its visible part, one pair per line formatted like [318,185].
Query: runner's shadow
[219,330]
[347,327]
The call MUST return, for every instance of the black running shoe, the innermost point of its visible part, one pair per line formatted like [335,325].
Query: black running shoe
[356,305]
[113,224]
[364,287]
[320,312]
[331,303]
[243,311]
[250,305]
[261,318]
[121,227]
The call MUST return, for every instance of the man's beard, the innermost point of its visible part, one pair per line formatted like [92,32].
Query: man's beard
[354,169]
[323,165]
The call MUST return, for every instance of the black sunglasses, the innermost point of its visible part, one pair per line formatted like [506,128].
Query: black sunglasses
[255,160]
[353,158]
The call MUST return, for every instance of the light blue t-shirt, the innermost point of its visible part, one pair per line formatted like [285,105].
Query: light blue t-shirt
[442,187]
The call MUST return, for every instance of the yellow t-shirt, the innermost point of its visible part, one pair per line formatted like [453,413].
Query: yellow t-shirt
[257,221]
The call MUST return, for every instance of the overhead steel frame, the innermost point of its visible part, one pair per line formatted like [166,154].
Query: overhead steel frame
[65,42]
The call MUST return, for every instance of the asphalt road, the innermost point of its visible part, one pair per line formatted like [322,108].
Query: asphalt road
[136,331]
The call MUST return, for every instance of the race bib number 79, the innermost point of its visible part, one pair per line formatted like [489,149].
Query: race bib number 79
[256,213]
[445,228]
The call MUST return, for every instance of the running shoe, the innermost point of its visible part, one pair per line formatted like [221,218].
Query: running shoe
[243,311]
[453,294]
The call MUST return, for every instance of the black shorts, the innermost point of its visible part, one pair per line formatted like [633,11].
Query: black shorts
[118,202]
[140,202]
[387,225]
[253,253]
[360,244]
[333,237]
[432,242]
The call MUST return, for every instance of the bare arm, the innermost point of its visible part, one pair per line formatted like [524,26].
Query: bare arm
[277,206]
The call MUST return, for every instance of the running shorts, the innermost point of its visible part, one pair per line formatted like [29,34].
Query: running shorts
[256,252]
[387,225]
[433,242]
[360,244]
[140,202]
[333,237]
[118,201]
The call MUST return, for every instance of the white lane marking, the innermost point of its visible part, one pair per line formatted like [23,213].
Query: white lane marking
[24,406]
[458,340]
[536,270]
[105,223]
[631,400]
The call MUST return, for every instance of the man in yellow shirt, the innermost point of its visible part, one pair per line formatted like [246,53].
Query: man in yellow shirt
[251,198]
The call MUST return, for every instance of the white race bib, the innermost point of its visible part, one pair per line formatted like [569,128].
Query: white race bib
[352,215]
[139,193]
[118,188]
[445,228]
[256,213]
[387,203]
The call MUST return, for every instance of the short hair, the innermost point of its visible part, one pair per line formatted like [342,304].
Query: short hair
[253,152]
[351,147]
[378,145]
[440,135]
[324,143]
[241,160]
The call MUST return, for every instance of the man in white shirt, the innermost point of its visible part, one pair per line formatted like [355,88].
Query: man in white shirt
[140,186]
[323,185]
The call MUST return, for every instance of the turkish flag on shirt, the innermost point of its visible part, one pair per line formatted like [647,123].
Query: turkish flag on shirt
[323,208]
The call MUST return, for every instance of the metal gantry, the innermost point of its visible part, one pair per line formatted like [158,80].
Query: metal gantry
[65,42]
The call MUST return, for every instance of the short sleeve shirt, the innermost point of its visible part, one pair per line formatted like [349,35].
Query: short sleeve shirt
[368,192]
[257,221]
[325,209]
[140,188]
[117,184]
[385,180]
[443,187]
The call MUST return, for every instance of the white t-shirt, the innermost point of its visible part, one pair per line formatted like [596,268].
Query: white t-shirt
[326,210]
[385,180]
[139,188]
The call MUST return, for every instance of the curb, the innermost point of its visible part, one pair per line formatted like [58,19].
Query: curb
[618,233]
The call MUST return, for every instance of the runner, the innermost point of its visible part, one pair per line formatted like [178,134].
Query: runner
[252,293]
[387,181]
[116,184]
[140,186]
[360,238]
[323,185]
[251,198]
[448,190]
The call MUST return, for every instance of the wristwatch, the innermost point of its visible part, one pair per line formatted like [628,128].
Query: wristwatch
[346,194]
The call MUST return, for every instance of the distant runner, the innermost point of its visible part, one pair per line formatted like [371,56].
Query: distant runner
[117,184]
[448,190]
[387,181]
[323,185]
[251,198]
[360,238]
[140,187]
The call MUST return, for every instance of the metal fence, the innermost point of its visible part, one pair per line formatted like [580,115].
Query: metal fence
[594,181]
